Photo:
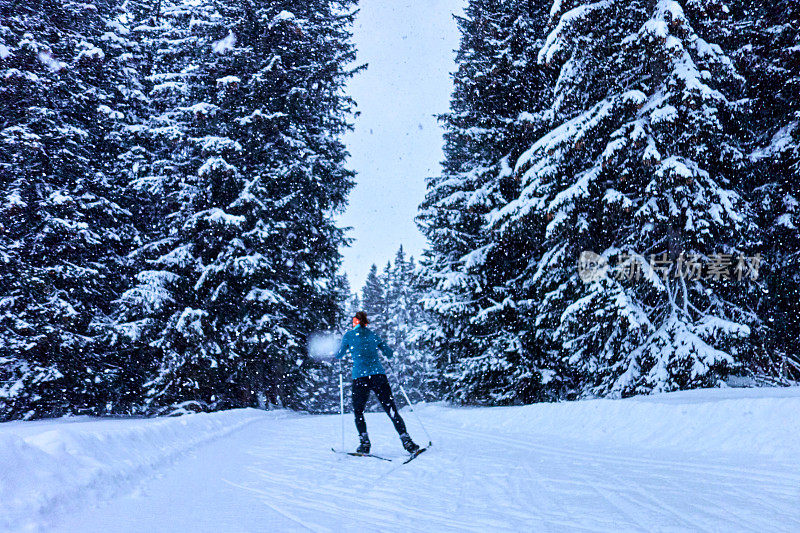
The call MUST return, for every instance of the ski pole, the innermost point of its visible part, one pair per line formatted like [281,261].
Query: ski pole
[408,400]
[341,401]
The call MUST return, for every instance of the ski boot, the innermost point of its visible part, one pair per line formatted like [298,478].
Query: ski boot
[408,444]
[365,444]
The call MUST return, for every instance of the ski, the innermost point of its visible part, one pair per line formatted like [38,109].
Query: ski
[415,455]
[356,454]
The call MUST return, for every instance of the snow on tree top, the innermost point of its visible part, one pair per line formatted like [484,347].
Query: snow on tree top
[220,217]
[555,9]
[116,115]
[228,80]
[558,37]
[58,198]
[667,113]
[14,199]
[23,133]
[680,166]
[215,164]
[211,143]
[785,220]
[16,73]
[166,87]
[90,51]
[655,28]
[779,142]
[226,44]
[259,115]
[709,326]
[285,15]
[201,108]
[48,61]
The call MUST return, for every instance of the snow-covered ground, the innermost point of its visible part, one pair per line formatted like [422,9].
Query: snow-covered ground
[710,460]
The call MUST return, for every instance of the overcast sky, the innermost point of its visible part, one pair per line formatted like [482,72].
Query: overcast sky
[397,142]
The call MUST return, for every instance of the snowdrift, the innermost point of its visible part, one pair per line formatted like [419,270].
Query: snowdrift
[757,421]
[49,465]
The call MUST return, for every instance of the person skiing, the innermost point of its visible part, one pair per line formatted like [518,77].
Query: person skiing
[368,375]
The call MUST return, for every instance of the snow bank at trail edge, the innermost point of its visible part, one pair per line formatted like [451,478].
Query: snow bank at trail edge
[48,465]
[760,421]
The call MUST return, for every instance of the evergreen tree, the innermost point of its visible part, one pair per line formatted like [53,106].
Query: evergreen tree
[643,159]
[767,40]
[353,306]
[471,269]
[392,300]
[63,105]
[373,300]
[405,320]
[245,264]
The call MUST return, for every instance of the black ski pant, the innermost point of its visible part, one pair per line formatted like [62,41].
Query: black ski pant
[380,385]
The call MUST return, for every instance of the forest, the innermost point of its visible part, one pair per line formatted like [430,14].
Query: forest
[616,215]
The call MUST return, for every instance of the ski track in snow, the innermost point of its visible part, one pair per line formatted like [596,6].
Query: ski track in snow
[280,475]
[489,470]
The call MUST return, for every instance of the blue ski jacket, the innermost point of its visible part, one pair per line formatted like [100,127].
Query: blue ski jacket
[363,345]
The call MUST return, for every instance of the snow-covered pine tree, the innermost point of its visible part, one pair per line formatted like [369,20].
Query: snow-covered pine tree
[405,319]
[163,161]
[768,55]
[147,166]
[393,301]
[399,315]
[245,267]
[469,270]
[642,160]
[373,300]
[63,231]
[353,306]
[386,283]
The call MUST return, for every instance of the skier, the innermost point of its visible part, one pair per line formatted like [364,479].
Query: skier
[368,375]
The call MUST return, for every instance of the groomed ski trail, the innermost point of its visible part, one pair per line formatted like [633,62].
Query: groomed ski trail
[484,473]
